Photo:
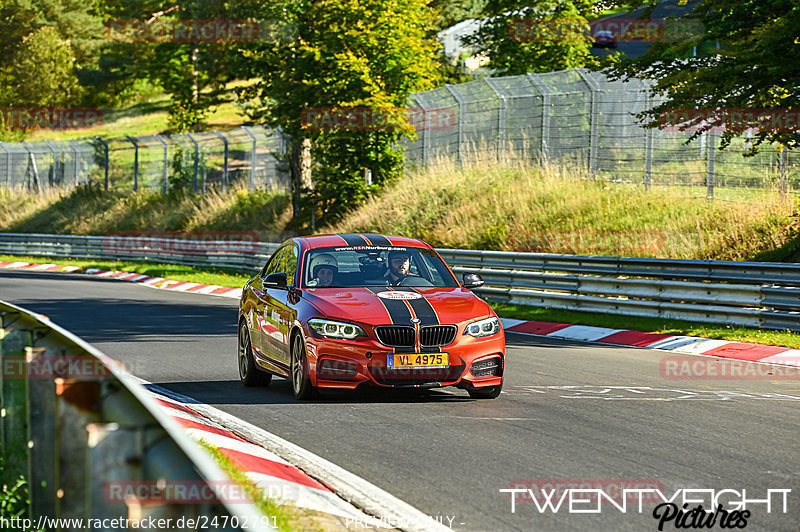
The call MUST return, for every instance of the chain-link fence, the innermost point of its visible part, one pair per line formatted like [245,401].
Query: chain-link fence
[248,155]
[574,117]
[580,117]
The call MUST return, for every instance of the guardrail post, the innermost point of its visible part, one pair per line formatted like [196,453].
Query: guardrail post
[545,114]
[52,181]
[105,161]
[8,163]
[501,117]
[135,162]
[225,164]
[165,164]
[426,140]
[461,109]
[710,159]
[43,471]
[77,158]
[594,120]
[783,171]
[32,166]
[14,398]
[196,161]
[251,180]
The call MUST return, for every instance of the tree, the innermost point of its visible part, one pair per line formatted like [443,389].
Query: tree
[342,54]
[756,66]
[521,36]
[42,70]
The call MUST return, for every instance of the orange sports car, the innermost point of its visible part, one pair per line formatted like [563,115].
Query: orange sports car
[350,310]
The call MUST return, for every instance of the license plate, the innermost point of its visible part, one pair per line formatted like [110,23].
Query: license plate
[419,360]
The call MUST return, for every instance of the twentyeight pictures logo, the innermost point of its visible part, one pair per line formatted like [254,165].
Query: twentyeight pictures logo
[681,508]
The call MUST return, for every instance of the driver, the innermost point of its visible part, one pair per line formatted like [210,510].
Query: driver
[399,267]
[324,268]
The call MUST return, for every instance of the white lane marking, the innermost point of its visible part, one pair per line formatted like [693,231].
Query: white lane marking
[646,393]
[583,333]
[357,491]
[700,346]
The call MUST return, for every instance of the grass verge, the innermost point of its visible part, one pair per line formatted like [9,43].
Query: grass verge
[656,325]
[287,518]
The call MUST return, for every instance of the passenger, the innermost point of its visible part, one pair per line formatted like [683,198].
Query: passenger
[324,268]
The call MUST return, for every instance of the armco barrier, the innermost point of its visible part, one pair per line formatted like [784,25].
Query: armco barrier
[754,294]
[74,423]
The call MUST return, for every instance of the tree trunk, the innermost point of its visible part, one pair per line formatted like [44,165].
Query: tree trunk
[300,165]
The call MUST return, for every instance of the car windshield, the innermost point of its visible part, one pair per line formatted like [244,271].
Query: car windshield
[357,266]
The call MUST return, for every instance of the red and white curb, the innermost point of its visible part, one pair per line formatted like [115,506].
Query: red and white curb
[686,345]
[146,280]
[337,494]
[280,480]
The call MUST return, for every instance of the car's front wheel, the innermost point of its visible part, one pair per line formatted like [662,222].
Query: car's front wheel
[487,392]
[249,374]
[301,379]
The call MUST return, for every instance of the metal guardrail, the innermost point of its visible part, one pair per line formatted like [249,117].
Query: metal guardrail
[752,294]
[77,426]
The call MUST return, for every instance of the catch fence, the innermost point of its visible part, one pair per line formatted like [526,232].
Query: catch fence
[577,118]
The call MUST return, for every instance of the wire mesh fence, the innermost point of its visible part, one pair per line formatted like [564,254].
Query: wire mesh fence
[252,156]
[571,117]
[579,117]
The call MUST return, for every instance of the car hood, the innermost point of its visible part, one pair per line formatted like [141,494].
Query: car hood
[430,305]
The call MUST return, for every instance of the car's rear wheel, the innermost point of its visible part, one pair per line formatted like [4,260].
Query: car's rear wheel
[249,374]
[487,392]
[301,379]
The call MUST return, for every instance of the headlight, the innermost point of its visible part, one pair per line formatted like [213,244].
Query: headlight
[336,329]
[485,327]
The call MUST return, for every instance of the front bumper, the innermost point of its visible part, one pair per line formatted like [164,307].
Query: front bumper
[348,364]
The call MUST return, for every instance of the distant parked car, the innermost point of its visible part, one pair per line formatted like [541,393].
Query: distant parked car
[604,39]
[352,310]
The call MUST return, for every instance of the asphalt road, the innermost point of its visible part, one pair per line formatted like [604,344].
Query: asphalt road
[568,412]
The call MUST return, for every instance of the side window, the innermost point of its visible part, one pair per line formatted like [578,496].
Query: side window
[288,263]
[274,263]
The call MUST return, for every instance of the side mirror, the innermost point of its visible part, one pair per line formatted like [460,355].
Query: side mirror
[276,280]
[472,280]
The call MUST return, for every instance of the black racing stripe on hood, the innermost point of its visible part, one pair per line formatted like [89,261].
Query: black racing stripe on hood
[422,307]
[378,240]
[397,309]
[353,239]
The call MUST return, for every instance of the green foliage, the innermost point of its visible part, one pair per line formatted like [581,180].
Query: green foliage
[14,499]
[522,36]
[756,65]
[42,69]
[342,54]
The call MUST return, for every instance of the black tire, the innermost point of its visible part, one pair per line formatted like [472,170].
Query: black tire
[249,373]
[487,392]
[301,380]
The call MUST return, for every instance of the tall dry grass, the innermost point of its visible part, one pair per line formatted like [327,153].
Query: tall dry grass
[518,207]
[93,211]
